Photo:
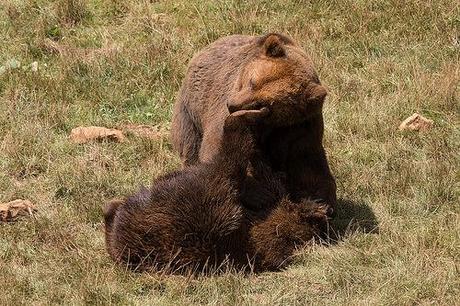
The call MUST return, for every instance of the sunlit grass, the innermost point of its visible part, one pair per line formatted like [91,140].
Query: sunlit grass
[112,62]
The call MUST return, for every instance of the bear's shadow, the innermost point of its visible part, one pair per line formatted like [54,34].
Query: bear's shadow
[352,216]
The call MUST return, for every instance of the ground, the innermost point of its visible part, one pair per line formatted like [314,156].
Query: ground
[110,63]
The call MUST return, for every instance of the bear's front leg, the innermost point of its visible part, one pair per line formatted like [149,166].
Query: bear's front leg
[237,144]
[307,168]
[309,178]
[299,153]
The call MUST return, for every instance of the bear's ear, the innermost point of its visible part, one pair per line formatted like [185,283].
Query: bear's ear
[274,46]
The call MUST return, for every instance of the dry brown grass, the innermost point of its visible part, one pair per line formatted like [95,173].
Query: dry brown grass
[112,63]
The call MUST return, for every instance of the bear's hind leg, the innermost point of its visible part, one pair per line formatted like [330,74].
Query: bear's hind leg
[185,135]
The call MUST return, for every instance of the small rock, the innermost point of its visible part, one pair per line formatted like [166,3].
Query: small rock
[13,210]
[13,64]
[416,122]
[85,134]
[34,66]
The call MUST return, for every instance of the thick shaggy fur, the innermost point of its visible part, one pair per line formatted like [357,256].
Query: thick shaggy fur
[240,72]
[193,220]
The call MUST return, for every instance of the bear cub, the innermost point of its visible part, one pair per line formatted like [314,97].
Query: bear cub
[192,220]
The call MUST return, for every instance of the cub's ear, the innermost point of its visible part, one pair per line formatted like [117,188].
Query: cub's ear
[109,210]
[274,46]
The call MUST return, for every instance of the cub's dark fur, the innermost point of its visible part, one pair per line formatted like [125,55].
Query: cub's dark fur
[193,220]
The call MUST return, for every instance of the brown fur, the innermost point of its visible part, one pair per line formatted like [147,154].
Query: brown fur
[192,220]
[240,72]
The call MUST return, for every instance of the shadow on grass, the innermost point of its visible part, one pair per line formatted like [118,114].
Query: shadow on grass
[352,217]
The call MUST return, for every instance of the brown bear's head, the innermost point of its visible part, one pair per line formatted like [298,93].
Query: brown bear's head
[279,75]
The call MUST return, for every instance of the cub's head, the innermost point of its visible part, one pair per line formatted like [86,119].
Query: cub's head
[279,75]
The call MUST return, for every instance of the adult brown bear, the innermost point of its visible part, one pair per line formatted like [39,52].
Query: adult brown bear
[240,72]
[192,220]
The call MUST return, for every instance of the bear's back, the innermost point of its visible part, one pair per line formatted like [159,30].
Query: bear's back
[212,73]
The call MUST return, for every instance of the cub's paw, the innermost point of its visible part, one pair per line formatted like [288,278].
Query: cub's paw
[234,107]
[244,118]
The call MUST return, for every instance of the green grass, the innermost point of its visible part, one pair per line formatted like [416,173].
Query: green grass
[112,62]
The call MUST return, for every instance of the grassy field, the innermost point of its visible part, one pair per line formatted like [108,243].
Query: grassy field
[113,62]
